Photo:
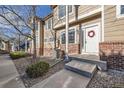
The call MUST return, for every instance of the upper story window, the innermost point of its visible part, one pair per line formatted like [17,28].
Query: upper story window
[70,8]
[36,26]
[62,10]
[49,24]
[120,11]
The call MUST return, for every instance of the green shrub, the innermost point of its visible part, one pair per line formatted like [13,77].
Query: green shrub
[18,54]
[37,69]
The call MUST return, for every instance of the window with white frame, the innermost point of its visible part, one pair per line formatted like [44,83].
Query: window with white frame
[51,39]
[70,8]
[62,10]
[120,11]
[71,36]
[63,38]
[36,26]
[49,24]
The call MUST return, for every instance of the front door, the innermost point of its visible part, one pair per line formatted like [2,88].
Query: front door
[92,39]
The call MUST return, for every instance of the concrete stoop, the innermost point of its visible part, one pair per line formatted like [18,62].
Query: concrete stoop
[101,65]
[82,68]
[75,75]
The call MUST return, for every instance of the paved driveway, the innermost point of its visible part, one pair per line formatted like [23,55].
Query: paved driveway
[9,77]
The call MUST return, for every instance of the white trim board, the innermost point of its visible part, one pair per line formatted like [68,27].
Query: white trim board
[102,24]
[118,15]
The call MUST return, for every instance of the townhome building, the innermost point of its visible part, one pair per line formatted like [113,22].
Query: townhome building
[92,30]
[5,45]
[85,28]
[49,35]
[112,48]
[44,36]
[39,34]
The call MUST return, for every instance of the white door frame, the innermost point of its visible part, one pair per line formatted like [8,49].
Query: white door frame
[83,51]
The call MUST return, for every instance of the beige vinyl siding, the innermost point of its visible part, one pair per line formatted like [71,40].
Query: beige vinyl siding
[84,9]
[114,27]
[48,35]
[93,21]
[61,21]
[81,10]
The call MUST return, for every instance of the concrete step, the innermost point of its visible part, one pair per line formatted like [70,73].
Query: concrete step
[82,68]
[64,79]
[102,65]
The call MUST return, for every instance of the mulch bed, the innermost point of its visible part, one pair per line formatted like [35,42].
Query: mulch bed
[22,63]
[109,79]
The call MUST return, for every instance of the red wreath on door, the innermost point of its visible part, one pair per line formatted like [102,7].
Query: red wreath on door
[91,33]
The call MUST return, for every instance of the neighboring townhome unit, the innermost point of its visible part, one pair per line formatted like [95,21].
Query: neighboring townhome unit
[90,29]
[49,35]
[85,28]
[112,49]
[4,45]
[39,36]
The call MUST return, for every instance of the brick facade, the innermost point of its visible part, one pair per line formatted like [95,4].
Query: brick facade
[113,53]
[72,48]
[48,51]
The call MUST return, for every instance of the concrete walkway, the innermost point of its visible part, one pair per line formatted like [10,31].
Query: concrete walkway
[64,79]
[9,77]
[76,74]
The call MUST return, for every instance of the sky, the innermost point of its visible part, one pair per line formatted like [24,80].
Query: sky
[43,10]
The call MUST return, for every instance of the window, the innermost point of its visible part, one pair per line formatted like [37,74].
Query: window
[120,11]
[71,36]
[63,38]
[70,8]
[62,11]
[49,24]
[51,39]
[45,40]
[36,26]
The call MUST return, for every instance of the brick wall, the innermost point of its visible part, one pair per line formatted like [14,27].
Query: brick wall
[48,51]
[113,53]
[72,49]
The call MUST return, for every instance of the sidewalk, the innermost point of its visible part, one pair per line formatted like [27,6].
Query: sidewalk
[64,79]
[9,77]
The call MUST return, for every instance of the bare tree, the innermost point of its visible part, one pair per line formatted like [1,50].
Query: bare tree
[18,21]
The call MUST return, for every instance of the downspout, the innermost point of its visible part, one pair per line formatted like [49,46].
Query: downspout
[25,44]
[67,26]
[102,24]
